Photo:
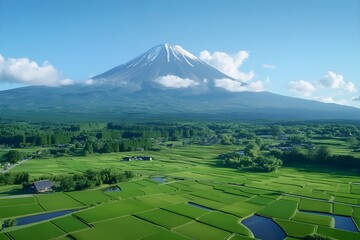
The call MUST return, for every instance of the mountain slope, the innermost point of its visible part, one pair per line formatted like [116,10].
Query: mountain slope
[166,82]
[164,66]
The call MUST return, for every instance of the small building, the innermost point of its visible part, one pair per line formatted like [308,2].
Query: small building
[137,158]
[42,186]
[282,136]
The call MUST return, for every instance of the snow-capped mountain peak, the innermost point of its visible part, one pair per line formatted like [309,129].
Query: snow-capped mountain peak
[163,66]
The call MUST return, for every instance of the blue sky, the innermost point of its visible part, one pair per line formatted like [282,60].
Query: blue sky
[307,48]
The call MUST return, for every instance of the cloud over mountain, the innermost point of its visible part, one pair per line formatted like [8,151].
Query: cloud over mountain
[236,86]
[171,81]
[301,87]
[336,81]
[28,72]
[228,64]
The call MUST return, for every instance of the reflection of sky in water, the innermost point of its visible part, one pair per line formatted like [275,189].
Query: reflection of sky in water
[264,228]
[341,222]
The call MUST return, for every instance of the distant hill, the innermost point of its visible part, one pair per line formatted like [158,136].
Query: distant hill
[166,82]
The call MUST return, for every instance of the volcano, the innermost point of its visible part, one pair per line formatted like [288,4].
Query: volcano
[165,82]
[164,66]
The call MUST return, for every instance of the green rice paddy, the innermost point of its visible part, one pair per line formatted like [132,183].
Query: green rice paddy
[150,210]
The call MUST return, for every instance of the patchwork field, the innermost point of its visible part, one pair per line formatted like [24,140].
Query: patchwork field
[197,200]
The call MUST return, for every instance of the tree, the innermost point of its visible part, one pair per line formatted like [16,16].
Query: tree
[245,162]
[276,130]
[252,150]
[266,164]
[323,154]
[13,156]
[353,142]
[11,222]
[318,237]
[109,176]
[296,154]
[88,148]
[67,183]
[129,174]
[22,177]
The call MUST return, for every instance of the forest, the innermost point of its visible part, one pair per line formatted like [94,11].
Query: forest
[261,146]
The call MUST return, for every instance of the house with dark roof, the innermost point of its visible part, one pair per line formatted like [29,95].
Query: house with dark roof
[137,158]
[42,186]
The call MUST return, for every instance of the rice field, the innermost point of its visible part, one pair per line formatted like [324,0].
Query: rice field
[198,200]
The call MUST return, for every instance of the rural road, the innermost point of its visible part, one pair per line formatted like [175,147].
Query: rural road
[14,165]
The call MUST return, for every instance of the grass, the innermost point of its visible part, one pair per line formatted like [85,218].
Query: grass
[163,234]
[226,222]
[42,231]
[315,206]
[4,202]
[287,207]
[260,200]
[159,207]
[186,210]
[56,201]
[201,231]
[112,210]
[128,228]
[20,210]
[155,201]
[69,224]
[3,236]
[295,229]
[164,218]
[242,209]
[338,234]
[314,219]
[340,209]
[89,196]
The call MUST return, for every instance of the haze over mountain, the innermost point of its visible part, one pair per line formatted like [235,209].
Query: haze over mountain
[164,82]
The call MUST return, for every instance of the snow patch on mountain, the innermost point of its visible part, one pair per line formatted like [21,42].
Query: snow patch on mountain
[163,66]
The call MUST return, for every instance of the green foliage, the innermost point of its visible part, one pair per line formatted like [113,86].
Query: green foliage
[91,178]
[41,231]
[266,164]
[318,237]
[13,156]
[252,150]
[66,183]
[259,163]
[11,222]
[10,178]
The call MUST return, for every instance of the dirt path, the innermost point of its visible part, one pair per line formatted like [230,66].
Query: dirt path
[16,164]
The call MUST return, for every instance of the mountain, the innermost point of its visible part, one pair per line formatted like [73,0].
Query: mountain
[165,66]
[166,82]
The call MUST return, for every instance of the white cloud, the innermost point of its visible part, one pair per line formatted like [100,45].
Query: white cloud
[236,86]
[269,66]
[332,80]
[350,87]
[301,87]
[89,82]
[356,99]
[25,71]
[171,81]
[228,64]
[331,100]
[336,81]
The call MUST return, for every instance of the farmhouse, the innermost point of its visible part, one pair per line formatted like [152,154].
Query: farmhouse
[42,186]
[137,158]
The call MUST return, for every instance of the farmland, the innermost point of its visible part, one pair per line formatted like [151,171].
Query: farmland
[184,193]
